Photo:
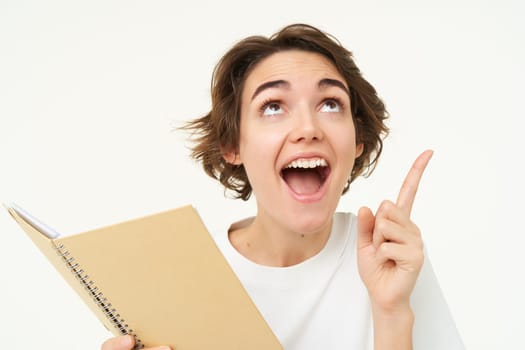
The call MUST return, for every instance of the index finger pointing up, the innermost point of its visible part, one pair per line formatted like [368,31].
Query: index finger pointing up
[407,194]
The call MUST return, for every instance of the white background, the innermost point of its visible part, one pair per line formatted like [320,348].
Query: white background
[91,91]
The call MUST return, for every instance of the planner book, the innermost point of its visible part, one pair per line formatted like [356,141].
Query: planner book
[160,278]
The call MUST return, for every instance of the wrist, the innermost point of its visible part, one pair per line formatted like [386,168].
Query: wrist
[393,328]
[398,312]
[398,319]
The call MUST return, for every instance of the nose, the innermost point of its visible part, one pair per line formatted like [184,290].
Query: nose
[306,127]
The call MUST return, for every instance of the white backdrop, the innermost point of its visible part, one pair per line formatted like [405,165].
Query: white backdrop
[91,91]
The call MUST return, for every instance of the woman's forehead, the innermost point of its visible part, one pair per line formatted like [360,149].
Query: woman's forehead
[291,66]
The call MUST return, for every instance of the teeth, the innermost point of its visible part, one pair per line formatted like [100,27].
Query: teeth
[307,163]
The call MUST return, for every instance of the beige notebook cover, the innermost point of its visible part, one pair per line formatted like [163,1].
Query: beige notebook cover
[160,278]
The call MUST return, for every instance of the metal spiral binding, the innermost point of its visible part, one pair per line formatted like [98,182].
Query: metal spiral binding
[102,302]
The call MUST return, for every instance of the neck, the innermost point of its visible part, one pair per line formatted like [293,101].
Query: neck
[265,242]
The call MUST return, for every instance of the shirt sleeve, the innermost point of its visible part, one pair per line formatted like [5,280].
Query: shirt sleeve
[434,327]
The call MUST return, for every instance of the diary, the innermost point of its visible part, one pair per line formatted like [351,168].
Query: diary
[160,278]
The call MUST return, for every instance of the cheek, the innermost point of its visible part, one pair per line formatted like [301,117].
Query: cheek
[259,142]
[259,150]
[343,138]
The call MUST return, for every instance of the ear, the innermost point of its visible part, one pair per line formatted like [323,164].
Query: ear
[359,150]
[231,157]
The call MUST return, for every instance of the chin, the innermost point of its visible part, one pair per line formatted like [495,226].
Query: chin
[312,221]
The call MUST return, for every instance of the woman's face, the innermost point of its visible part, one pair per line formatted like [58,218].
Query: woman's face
[297,139]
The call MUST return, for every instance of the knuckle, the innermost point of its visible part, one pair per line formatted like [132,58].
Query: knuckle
[381,226]
[418,257]
[419,245]
[413,230]
[384,249]
[389,205]
[386,206]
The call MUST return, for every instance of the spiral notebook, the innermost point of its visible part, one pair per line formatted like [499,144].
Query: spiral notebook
[160,278]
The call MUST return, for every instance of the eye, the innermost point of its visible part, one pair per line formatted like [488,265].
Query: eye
[331,105]
[272,108]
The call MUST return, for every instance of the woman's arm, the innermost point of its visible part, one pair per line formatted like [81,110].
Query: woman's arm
[390,256]
[393,330]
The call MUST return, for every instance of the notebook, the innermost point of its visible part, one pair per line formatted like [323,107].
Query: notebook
[160,278]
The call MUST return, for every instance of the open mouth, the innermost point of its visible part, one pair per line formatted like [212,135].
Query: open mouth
[306,176]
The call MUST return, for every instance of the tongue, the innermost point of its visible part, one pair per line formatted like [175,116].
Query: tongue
[302,181]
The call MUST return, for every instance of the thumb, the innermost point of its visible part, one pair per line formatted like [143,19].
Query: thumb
[365,227]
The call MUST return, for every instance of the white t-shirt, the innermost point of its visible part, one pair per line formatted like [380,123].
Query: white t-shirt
[322,302]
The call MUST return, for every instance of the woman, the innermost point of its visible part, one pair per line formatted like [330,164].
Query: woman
[294,121]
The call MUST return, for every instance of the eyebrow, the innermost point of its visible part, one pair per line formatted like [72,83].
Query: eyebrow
[269,85]
[326,82]
[323,83]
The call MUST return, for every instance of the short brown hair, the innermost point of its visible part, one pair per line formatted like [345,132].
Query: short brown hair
[219,129]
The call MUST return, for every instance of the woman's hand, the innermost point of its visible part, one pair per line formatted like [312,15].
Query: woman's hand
[126,342]
[390,256]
